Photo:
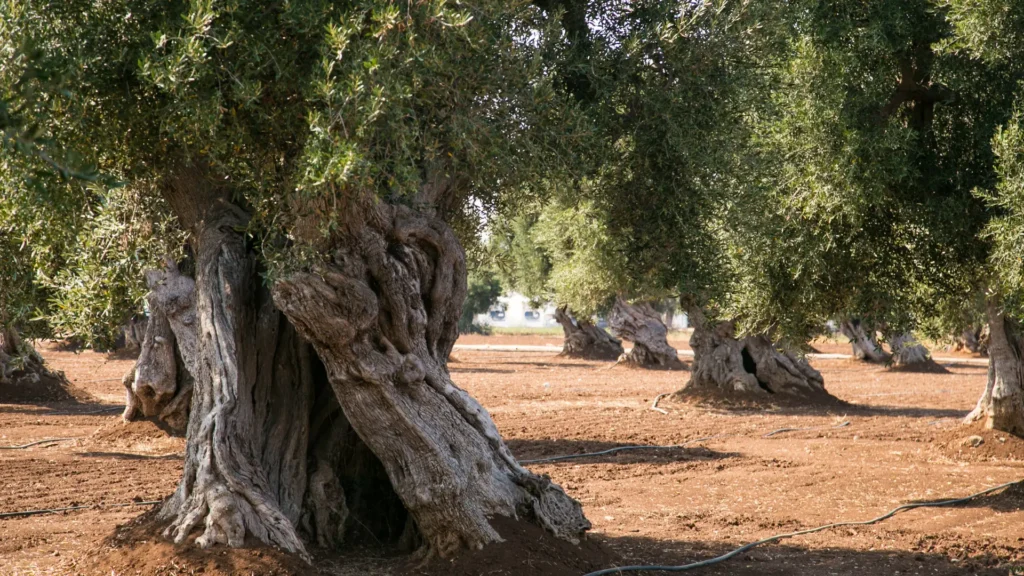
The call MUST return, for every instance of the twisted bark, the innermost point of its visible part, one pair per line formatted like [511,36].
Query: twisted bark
[752,365]
[642,325]
[863,340]
[383,316]
[585,340]
[1001,406]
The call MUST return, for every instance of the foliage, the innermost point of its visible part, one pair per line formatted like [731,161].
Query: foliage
[304,110]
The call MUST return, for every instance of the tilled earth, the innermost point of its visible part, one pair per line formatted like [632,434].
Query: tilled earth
[904,443]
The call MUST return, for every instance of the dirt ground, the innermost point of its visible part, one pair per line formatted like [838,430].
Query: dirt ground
[903,444]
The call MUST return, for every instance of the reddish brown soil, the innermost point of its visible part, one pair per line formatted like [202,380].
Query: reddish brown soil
[664,507]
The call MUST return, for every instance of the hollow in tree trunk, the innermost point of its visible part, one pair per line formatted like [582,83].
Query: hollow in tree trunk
[585,340]
[751,365]
[383,316]
[907,351]
[642,325]
[862,339]
[1001,406]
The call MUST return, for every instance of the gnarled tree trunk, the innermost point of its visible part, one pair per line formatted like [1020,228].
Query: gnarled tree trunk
[19,361]
[1001,406]
[863,340]
[585,340]
[160,384]
[752,365]
[907,351]
[366,433]
[642,325]
[383,314]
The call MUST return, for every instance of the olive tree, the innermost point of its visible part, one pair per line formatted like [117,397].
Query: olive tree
[323,160]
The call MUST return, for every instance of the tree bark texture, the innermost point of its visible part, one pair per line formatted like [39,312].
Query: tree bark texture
[1001,406]
[641,324]
[863,340]
[383,316]
[585,340]
[751,365]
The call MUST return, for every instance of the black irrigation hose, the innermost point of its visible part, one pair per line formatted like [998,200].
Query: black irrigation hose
[73,508]
[742,549]
[30,444]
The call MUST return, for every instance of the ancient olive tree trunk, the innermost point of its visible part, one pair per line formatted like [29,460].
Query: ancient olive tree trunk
[160,384]
[975,339]
[863,340]
[19,361]
[585,340]
[1001,406]
[642,325]
[907,351]
[383,316]
[752,365]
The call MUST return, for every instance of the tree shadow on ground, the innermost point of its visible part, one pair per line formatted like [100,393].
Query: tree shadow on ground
[129,456]
[531,449]
[1009,500]
[795,560]
[836,409]
[62,408]
[461,369]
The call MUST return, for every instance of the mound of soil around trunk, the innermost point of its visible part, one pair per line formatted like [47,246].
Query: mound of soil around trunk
[726,399]
[962,443]
[48,388]
[132,432]
[139,548]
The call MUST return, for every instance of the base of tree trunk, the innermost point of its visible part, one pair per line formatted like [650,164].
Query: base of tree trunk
[863,341]
[383,316]
[24,375]
[585,340]
[327,411]
[642,325]
[752,366]
[907,351]
[1001,406]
